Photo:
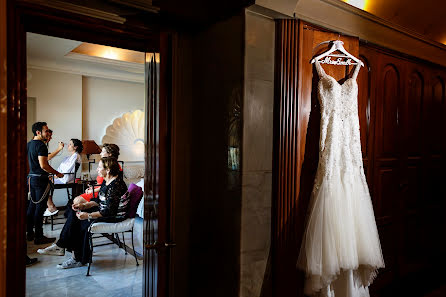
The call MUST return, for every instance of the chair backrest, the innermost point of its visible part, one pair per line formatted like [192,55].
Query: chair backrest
[135,194]
[76,167]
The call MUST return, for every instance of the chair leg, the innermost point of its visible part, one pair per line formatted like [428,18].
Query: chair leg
[123,240]
[90,239]
[52,223]
[134,252]
[117,237]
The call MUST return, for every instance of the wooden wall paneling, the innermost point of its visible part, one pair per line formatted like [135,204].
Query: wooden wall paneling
[414,81]
[3,147]
[407,105]
[435,173]
[388,139]
[286,160]
[367,116]
[437,136]
[15,154]
[364,104]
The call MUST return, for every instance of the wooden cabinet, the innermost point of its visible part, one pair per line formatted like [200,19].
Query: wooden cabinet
[408,121]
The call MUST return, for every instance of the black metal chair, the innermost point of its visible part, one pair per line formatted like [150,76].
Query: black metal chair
[115,228]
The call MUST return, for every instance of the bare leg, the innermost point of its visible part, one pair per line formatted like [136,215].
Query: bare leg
[50,204]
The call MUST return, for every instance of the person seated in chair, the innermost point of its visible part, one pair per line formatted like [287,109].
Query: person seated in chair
[67,166]
[108,150]
[110,206]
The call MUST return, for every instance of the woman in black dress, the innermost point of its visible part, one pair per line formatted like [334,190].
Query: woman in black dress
[109,206]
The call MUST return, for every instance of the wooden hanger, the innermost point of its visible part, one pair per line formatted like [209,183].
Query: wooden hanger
[337,45]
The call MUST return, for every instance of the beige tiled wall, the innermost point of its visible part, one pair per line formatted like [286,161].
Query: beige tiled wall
[257,152]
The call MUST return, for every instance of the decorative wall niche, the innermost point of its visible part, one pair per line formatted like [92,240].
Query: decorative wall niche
[127,132]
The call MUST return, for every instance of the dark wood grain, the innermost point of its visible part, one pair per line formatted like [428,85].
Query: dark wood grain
[3,148]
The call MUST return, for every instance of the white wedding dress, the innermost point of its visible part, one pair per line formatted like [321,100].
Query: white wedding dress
[340,251]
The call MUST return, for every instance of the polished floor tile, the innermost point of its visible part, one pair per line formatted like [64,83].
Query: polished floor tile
[113,273]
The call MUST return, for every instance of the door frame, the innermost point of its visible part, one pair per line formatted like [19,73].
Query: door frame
[23,17]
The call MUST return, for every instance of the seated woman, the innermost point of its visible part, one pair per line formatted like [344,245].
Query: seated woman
[108,150]
[67,165]
[109,206]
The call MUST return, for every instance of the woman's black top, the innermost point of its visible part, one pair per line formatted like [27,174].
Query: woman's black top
[109,199]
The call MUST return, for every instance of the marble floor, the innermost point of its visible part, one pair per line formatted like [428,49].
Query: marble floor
[113,273]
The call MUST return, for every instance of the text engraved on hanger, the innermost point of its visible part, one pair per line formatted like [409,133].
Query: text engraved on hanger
[338,61]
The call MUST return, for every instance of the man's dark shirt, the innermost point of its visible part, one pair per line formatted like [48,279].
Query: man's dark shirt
[36,148]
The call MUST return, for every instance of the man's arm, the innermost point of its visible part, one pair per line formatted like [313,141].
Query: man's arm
[53,154]
[43,162]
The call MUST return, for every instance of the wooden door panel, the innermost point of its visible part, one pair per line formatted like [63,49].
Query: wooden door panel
[364,80]
[415,91]
[387,114]
[387,183]
[412,195]
[435,192]
[437,116]
[387,239]
[413,243]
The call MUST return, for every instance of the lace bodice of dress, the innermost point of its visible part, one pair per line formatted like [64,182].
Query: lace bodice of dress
[340,147]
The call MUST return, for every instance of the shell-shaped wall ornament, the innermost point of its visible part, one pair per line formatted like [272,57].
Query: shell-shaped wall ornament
[127,132]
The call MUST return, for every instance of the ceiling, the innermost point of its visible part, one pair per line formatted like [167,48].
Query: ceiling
[426,17]
[58,54]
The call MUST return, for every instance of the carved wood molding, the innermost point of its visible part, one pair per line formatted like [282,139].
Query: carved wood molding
[73,8]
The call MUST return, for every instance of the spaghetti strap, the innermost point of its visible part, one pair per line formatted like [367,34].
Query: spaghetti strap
[319,69]
[355,73]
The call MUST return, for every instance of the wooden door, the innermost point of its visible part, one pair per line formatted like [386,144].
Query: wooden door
[408,153]
[388,158]
[412,221]
[157,207]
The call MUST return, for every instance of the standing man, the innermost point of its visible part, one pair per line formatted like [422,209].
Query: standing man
[38,183]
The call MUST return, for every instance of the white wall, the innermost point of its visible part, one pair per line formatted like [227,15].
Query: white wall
[104,100]
[59,103]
